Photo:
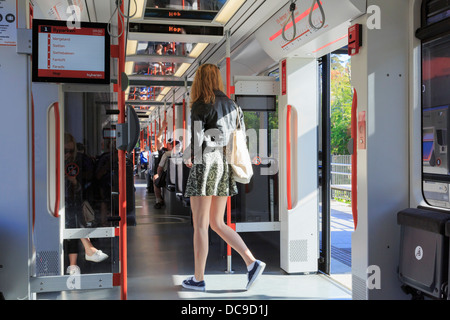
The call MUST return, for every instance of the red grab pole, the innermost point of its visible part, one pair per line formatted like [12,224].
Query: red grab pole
[173,124]
[231,225]
[57,159]
[184,124]
[354,181]
[122,166]
[229,198]
[288,156]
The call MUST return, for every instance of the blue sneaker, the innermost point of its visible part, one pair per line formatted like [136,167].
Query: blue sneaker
[189,283]
[253,274]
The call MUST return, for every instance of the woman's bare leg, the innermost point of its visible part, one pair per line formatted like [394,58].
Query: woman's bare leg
[73,259]
[200,216]
[230,236]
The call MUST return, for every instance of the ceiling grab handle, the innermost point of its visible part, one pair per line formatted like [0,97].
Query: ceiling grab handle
[292,8]
[322,12]
[55,210]
[288,157]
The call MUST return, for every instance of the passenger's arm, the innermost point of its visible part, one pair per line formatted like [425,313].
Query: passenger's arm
[161,164]
[197,133]
[159,143]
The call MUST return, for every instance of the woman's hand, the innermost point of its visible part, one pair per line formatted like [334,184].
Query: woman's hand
[188,163]
[72,180]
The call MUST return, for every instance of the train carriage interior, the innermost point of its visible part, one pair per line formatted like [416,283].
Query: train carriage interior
[345,105]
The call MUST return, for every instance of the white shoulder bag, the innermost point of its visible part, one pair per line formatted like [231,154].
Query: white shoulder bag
[238,155]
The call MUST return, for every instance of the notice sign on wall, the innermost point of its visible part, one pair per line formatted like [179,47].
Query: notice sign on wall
[66,54]
[8,23]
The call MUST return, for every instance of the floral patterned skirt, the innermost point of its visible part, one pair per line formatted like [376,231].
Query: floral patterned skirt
[212,177]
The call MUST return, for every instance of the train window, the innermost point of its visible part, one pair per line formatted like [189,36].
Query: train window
[258,201]
[257,103]
[436,121]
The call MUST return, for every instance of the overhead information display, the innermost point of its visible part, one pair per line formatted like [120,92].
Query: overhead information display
[205,15]
[182,33]
[63,54]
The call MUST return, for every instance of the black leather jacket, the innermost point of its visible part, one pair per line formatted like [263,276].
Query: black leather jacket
[212,125]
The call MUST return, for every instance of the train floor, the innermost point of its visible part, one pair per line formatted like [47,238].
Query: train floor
[160,256]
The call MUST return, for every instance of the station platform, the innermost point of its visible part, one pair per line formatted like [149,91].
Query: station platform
[160,257]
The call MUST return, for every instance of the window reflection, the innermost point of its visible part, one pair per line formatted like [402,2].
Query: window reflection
[144,93]
[155,68]
[90,178]
[164,48]
[163,67]
[187,4]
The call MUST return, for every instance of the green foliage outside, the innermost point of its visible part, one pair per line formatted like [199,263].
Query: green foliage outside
[252,120]
[341,104]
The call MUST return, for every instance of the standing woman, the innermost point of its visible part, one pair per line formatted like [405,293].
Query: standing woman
[210,182]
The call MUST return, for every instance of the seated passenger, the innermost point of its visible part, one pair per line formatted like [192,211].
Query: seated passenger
[144,158]
[160,176]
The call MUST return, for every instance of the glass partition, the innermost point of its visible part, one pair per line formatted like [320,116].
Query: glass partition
[435,121]
[258,200]
[91,180]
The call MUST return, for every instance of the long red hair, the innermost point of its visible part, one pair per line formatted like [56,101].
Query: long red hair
[207,79]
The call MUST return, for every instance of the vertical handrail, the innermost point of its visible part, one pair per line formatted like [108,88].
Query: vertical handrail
[165,130]
[173,125]
[288,157]
[57,159]
[55,211]
[228,62]
[156,132]
[354,136]
[122,165]
[184,124]
[33,166]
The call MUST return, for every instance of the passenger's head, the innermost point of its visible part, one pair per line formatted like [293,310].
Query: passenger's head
[207,79]
[170,145]
[70,147]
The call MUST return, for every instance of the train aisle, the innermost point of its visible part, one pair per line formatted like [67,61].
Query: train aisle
[160,256]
